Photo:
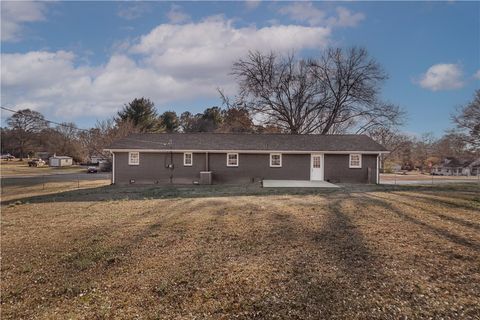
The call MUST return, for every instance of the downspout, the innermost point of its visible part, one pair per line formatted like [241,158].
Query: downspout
[206,161]
[378,169]
[113,167]
[171,163]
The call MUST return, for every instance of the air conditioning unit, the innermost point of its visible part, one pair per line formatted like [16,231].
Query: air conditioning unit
[205,177]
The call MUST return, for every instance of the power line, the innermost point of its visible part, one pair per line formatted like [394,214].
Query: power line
[50,121]
[43,119]
[79,129]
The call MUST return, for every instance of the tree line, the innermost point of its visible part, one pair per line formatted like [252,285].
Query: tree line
[461,141]
[28,132]
[336,92]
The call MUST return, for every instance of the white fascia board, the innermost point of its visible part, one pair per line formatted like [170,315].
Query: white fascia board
[245,151]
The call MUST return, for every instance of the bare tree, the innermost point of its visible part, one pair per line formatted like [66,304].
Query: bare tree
[423,150]
[351,81]
[104,133]
[452,144]
[467,119]
[8,142]
[335,93]
[70,143]
[393,140]
[25,125]
[64,139]
[281,90]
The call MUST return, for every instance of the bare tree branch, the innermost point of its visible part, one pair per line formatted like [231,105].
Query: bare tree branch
[336,92]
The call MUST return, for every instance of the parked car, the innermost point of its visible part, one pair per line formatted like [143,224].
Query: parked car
[92,170]
[7,156]
[36,163]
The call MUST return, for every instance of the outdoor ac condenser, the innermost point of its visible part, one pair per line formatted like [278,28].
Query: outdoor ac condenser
[205,177]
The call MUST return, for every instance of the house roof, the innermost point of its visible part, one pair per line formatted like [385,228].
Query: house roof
[452,162]
[246,142]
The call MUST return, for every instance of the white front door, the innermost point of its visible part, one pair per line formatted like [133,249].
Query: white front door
[316,167]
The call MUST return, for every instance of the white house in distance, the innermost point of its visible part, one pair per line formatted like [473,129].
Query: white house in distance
[451,166]
[97,158]
[60,161]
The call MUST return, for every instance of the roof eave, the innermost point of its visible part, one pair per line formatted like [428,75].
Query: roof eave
[246,151]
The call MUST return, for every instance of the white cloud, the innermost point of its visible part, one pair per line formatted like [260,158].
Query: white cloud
[304,12]
[52,83]
[133,11]
[346,18]
[14,14]
[252,4]
[171,64]
[477,75]
[207,49]
[307,12]
[442,77]
[176,15]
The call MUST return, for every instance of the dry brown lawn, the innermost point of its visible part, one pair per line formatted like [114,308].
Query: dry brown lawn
[409,253]
[35,189]
[15,167]
[427,177]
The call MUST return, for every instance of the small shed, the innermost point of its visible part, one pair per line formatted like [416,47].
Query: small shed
[60,161]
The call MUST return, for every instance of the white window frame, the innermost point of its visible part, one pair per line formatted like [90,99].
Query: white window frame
[275,165]
[185,164]
[130,163]
[359,166]
[233,165]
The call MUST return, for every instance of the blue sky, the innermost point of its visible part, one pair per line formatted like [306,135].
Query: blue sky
[81,61]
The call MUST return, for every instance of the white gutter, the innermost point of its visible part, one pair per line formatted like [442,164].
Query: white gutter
[245,151]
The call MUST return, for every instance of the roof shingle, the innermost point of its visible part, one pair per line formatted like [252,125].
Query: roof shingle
[246,141]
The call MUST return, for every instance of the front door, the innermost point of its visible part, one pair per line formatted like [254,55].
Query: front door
[316,167]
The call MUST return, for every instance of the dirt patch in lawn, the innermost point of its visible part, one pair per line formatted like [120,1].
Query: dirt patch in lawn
[342,255]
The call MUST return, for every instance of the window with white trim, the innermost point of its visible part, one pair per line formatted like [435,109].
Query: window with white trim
[232,159]
[355,160]
[275,160]
[134,158]
[316,161]
[188,159]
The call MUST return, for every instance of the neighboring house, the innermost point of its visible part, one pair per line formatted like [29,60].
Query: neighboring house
[44,155]
[186,158]
[472,169]
[60,161]
[96,159]
[451,166]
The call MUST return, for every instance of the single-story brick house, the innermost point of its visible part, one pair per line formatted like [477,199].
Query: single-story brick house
[236,158]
